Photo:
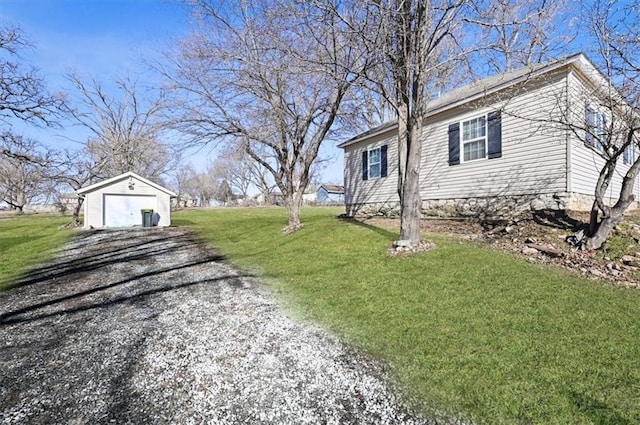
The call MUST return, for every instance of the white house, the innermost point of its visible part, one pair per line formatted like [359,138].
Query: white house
[118,202]
[494,147]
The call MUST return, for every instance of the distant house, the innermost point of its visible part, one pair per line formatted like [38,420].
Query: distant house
[118,202]
[330,194]
[309,197]
[494,147]
[272,198]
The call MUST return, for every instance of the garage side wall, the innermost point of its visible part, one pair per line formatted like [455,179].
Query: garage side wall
[94,202]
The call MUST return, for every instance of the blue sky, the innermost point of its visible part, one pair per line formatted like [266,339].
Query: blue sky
[96,39]
[103,39]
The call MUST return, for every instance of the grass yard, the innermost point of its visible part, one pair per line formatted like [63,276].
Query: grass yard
[468,331]
[27,240]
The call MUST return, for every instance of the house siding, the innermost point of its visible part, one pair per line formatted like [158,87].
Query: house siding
[533,162]
[533,155]
[94,201]
[586,164]
[381,190]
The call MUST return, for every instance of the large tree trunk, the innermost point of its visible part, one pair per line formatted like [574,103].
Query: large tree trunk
[411,204]
[614,216]
[76,213]
[294,204]
[600,232]
[594,219]
[603,231]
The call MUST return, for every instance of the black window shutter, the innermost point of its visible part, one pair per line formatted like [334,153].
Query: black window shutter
[365,165]
[383,161]
[589,120]
[454,144]
[495,135]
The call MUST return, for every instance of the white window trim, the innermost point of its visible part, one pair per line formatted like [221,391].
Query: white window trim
[597,135]
[485,137]
[369,163]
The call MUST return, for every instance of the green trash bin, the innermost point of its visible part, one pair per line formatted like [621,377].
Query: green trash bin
[147,217]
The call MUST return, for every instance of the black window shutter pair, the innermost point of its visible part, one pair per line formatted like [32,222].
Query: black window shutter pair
[494,138]
[383,163]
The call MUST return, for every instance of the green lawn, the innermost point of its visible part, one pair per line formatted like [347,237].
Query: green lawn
[467,330]
[27,240]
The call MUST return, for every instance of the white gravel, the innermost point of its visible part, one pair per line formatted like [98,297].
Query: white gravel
[148,326]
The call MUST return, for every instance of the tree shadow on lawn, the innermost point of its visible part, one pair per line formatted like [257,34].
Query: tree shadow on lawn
[598,412]
[387,234]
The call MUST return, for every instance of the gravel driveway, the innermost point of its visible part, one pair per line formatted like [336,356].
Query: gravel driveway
[148,326]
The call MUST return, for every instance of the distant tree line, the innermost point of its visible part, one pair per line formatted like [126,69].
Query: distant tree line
[267,82]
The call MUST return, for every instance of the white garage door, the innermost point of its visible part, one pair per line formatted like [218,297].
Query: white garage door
[124,210]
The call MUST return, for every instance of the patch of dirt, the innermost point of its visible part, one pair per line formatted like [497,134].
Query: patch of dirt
[543,239]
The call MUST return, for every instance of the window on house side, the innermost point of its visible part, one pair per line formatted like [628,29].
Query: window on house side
[596,131]
[474,138]
[628,155]
[375,162]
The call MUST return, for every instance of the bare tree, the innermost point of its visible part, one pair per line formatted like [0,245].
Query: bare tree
[610,125]
[77,170]
[126,126]
[417,47]
[521,33]
[205,186]
[235,167]
[262,180]
[24,164]
[184,183]
[269,76]
[22,92]
[423,48]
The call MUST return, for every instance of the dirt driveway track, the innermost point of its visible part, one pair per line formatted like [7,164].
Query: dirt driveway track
[149,326]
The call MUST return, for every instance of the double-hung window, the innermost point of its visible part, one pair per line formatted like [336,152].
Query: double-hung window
[474,138]
[596,128]
[375,162]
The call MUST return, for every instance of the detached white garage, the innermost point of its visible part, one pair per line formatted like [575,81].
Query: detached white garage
[119,201]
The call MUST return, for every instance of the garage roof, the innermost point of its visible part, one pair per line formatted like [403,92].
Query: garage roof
[129,174]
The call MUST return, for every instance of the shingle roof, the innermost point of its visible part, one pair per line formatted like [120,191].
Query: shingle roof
[485,86]
[331,188]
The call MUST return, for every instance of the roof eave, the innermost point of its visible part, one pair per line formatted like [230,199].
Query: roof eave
[107,182]
[580,59]
[388,126]
[577,58]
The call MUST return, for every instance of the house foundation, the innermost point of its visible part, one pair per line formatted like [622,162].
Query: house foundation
[498,207]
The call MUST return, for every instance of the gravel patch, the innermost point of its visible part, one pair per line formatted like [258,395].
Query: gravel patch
[148,326]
